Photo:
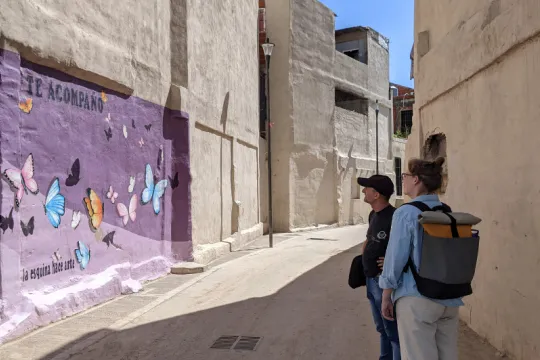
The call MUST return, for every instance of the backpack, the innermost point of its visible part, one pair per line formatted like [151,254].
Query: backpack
[449,252]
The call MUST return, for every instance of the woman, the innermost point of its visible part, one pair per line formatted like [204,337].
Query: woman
[428,328]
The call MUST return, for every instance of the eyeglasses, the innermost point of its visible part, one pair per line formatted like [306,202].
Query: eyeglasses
[404,175]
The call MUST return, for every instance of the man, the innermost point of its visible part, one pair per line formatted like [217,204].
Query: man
[377,192]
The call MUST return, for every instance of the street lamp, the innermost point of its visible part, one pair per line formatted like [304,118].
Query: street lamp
[377,136]
[267,49]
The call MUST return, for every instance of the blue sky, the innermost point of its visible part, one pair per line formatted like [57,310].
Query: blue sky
[392,18]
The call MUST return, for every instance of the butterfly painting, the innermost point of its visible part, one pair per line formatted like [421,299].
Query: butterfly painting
[55,204]
[131,186]
[108,133]
[174,181]
[111,194]
[82,254]
[56,255]
[104,97]
[147,127]
[28,229]
[124,130]
[74,178]
[133,123]
[128,213]
[160,157]
[22,180]
[109,239]
[6,222]
[108,118]
[95,209]
[75,219]
[26,106]
[141,142]
[153,191]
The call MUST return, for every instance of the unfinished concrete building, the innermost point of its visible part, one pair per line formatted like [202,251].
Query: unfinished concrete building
[324,86]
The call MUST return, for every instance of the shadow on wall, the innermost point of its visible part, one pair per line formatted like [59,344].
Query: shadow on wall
[315,316]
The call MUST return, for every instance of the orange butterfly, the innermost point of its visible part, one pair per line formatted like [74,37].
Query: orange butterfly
[95,208]
[26,106]
[103,96]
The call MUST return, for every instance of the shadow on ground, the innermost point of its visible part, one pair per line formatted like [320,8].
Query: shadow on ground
[315,316]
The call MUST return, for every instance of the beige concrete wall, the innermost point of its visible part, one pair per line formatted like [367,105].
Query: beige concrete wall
[278,19]
[315,185]
[118,45]
[486,107]
[223,106]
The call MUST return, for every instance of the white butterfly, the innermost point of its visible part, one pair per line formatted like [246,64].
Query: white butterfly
[141,142]
[126,213]
[131,184]
[75,219]
[111,194]
[108,118]
[161,153]
[124,129]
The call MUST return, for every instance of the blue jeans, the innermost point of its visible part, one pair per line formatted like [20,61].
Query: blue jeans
[388,329]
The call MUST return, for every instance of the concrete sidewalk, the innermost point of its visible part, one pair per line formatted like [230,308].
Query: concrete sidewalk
[293,297]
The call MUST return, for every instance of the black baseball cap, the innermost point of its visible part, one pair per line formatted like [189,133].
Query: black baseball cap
[381,183]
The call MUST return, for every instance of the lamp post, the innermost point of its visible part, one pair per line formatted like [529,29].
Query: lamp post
[267,49]
[377,136]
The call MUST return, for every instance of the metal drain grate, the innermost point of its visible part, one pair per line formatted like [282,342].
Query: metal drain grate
[224,342]
[246,343]
[321,239]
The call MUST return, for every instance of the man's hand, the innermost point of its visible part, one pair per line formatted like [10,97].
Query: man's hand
[387,307]
[380,262]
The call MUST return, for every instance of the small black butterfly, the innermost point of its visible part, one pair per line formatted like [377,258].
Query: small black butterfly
[74,178]
[133,124]
[28,228]
[174,182]
[109,239]
[7,222]
[159,159]
[108,133]
[147,127]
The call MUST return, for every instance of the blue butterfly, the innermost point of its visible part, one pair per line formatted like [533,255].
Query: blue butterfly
[153,192]
[82,254]
[55,203]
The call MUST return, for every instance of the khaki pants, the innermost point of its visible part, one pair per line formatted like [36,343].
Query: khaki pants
[427,330]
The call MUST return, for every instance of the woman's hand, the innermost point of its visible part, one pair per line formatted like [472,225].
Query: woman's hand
[387,307]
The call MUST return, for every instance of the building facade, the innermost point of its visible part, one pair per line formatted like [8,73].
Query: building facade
[324,87]
[476,66]
[129,143]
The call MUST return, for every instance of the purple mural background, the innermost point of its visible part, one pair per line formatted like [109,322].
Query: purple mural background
[57,131]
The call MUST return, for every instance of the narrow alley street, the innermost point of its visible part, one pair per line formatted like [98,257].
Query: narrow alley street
[294,297]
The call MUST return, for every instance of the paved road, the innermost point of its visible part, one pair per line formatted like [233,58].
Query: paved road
[294,297]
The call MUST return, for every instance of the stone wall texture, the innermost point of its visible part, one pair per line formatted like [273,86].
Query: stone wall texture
[476,71]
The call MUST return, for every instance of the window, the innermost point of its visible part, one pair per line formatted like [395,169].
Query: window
[395,92]
[406,121]
[352,53]
[351,102]
[397,170]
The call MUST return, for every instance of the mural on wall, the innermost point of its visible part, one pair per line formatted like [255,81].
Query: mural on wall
[49,131]
[128,213]
[22,181]
[75,176]
[7,222]
[55,204]
[28,228]
[82,254]
[153,191]
[95,209]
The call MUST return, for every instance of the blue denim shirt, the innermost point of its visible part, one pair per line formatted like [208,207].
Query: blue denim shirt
[406,234]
